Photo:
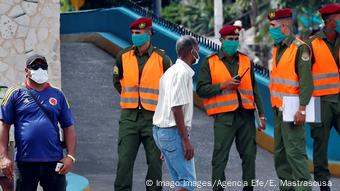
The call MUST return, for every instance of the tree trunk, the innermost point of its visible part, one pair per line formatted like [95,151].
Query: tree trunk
[218,16]
[157,5]
[254,12]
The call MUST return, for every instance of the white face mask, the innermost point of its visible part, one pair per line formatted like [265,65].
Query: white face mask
[197,58]
[40,76]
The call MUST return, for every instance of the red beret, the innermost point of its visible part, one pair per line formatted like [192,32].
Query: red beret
[280,14]
[230,30]
[330,9]
[141,23]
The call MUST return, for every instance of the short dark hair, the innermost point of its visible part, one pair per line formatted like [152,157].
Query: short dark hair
[185,44]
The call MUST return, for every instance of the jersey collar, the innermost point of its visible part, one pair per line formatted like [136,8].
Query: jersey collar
[46,85]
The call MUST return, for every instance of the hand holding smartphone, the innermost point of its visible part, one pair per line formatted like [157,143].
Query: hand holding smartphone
[59,166]
[238,77]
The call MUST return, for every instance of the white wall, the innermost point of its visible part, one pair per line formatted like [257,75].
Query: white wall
[28,27]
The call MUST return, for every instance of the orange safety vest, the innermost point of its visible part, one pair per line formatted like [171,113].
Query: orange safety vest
[325,70]
[227,101]
[145,88]
[283,79]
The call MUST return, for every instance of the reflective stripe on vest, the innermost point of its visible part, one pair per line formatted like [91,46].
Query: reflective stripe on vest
[144,88]
[283,79]
[227,101]
[325,70]
[284,82]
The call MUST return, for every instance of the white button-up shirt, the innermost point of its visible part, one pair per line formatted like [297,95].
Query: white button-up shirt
[175,90]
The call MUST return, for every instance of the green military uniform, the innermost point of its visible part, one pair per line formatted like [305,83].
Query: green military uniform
[290,140]
[238,125]
[135,127]
[330,116]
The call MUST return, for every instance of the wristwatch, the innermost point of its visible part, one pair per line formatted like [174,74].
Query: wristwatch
[302,112]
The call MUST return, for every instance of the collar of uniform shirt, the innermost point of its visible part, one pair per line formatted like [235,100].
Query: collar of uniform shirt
[322,35]
[186,66]
[149,52]
[287,42]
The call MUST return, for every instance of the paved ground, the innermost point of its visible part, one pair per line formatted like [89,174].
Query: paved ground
[87,82]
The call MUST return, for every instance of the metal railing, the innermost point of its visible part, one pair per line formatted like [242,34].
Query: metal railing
[203,41]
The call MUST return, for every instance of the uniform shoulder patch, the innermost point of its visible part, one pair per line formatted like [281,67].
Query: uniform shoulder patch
[305,56]
[115,70]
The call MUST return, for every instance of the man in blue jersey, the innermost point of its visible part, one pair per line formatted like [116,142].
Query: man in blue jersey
[35,108]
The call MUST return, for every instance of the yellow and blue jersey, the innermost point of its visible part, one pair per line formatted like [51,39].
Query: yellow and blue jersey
[36,138]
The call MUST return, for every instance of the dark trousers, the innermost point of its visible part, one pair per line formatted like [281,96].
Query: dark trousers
[240,128]
[290,158]
[131,135]
[330,117]
[29,174]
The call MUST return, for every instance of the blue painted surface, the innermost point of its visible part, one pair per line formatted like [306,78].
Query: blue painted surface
[76,182]
[113,24]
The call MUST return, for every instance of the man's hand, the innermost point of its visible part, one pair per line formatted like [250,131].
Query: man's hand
[68,164]
[188,149]
[299,119]
[230,84]
[7,167]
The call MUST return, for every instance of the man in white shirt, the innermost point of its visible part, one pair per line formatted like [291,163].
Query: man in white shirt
[173,115]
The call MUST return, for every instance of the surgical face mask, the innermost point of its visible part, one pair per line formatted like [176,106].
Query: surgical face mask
[197,57]
[140,39]
[277,35]
[230,46]
[40,76]
[337,27]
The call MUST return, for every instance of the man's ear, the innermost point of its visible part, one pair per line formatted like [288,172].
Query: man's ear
[27,72]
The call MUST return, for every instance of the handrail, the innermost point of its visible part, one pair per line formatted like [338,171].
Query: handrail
[171,26]
[203,41]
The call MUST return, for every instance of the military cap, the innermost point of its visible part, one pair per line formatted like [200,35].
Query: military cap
[280,14]
[230,30]
[141,23]
[330,9]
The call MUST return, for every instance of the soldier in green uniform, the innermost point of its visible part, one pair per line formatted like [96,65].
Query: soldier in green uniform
[227,82]
[136,75]
[325,68]
[290,76]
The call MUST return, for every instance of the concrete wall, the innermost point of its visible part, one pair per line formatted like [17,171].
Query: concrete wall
[28,27]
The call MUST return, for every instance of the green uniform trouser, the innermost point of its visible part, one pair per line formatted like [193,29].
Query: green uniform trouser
[131,134]
[238,125]
[290,158]
[330,116]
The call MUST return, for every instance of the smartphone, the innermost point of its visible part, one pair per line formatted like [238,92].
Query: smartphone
[238,77]
[59,166]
